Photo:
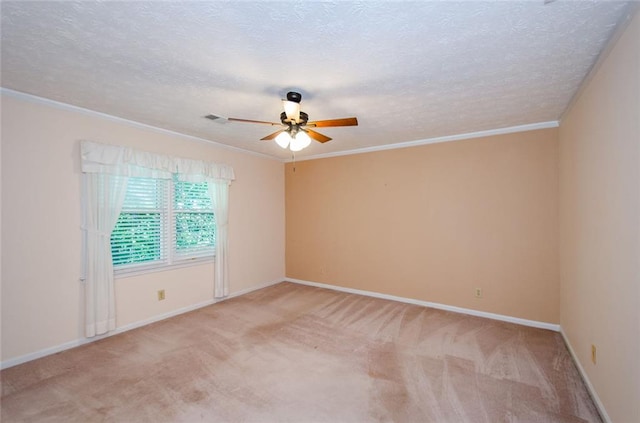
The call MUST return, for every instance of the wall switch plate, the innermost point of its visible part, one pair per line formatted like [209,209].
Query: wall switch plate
[478,292]
[161,295]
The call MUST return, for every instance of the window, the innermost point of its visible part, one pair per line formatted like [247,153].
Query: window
[195,227]
[163,223]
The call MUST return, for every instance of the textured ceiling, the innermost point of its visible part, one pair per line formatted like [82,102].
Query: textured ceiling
[408,70]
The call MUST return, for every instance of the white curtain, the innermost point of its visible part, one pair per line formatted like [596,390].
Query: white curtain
[106,168]
[219,192]
[104,195]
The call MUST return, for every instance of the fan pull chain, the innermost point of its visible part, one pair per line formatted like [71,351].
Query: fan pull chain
[293,158]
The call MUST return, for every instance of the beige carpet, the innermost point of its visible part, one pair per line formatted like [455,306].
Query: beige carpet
[292,353]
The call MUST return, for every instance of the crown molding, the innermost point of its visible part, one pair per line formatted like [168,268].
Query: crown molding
[68,107]
[458,137]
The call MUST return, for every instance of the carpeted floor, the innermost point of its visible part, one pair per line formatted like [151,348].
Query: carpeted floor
[292,353]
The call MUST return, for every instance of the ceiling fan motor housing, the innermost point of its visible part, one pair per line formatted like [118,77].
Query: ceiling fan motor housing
[294,96]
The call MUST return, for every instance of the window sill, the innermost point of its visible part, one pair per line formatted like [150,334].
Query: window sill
[136,271]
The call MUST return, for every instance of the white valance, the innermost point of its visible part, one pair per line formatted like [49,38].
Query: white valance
[125,161]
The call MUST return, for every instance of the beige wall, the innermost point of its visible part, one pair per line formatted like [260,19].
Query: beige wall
[600,227]
[42,296]
[0,233]
[434,222]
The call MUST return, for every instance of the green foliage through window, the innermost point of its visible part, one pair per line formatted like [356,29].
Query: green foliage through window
[195,230]
[135,238]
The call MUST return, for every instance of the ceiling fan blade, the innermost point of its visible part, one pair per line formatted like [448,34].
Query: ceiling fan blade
[254,121]
[317,136]
[272,136]
[352,121]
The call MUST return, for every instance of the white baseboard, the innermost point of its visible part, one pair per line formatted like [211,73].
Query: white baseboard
[532,323]
[516,320]
[585,378]
[82,341]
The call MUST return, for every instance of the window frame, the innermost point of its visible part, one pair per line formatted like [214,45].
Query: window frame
[168,240]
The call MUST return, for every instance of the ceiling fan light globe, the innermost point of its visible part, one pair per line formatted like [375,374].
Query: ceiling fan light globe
[295,146]
[283,139]
[300,141]
[304,138]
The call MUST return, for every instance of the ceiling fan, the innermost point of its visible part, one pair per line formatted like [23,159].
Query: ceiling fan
[295,132]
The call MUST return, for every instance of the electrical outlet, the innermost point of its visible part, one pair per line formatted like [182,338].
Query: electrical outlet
[593,354]
[161,295]
[478,292]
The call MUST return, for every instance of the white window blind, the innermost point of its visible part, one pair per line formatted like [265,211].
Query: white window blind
[193,220]
[138,237]
[163,223]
